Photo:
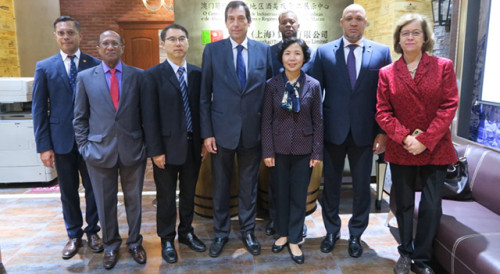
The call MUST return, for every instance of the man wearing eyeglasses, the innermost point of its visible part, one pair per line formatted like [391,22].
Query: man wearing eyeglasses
[347,69]
[171,90]
[53,93]
[108,130]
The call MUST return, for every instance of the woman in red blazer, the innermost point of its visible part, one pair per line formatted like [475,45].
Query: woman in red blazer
[292,141]
[416,101]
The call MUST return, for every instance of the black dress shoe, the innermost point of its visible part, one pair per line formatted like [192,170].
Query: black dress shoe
[421,269]
[217,246]
[168,252]
[328,242]
[251,243]
[297,259]
[270,228]
[402,265]
[355,248]
[71,248]
[277,248]
[94,243]
[110,258]
[139,254]
[192,241]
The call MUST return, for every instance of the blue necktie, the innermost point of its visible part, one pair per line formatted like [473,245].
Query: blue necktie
[185,99]
[351,64]
[240,68]
[72,72]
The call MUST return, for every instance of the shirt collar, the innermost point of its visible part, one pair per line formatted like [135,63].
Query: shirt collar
[118,67]
[234,44]
[77,54]
[176,67]
[347,43]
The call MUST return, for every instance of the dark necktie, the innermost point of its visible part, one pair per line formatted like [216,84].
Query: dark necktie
[114,88]
[240,68]
[351,64]
[72,72]
[187,109]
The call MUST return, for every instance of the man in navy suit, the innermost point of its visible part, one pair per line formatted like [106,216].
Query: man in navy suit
[108,131]
[347,69]
[234,74]
[53,96]
[171,90]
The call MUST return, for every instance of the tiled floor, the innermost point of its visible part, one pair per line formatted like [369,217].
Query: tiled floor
[32,235]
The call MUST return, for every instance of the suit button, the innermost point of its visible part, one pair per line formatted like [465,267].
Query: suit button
[116,119]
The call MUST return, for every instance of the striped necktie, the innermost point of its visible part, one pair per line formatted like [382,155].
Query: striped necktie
[185,99]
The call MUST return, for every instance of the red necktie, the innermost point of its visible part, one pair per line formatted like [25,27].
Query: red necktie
[113,90]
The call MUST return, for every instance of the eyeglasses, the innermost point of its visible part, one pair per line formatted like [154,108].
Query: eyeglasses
[113,44]
[174,40]
[415,33]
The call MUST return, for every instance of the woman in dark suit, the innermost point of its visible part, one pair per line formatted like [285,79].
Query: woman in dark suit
[416,101]
[292,141]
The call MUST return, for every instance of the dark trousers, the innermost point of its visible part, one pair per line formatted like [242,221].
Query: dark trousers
[166,184]
[429,212]
[360,163]
[290,180]
[222,169]
[105,184]
[68,166]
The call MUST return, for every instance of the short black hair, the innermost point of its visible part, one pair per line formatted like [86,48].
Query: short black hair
[292,40]
[172,26]
[235,4]
[66,18]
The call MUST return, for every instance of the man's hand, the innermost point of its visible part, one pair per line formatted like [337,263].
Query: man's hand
[210,145]
[204,152]
[269,162]
[48,158]
[159,161]
[379,143]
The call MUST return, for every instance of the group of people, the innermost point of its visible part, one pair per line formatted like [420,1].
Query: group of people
[281,105]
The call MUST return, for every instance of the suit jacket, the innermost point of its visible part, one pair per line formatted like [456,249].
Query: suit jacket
[344,108]
[428,102]
[164,117]
[105,135]
[52,122]
[227,112]
[289,133]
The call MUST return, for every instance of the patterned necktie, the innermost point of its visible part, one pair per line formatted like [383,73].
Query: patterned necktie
[72,72]
[240,68]
[187,109]
[351,64]
[114,88]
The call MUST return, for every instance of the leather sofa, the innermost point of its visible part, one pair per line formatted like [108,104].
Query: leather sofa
[468,239]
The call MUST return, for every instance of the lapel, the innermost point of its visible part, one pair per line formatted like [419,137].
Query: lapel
[61,71]
[423,68]
[338,51]
[227,50]
[365,61]
[169,74]
[404,75]
[302,90]
[252,61]
[84,63]
[103,89]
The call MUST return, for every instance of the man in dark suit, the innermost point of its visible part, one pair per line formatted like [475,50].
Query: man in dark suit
[171,90]
[53,94]
[234,74]
[109,135]
[347,69]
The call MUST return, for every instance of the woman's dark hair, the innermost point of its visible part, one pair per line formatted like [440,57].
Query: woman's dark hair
[292,40]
